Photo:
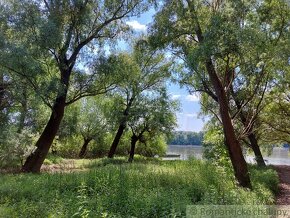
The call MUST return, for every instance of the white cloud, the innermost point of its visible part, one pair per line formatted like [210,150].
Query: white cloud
[191,115]
[136,25]
[174,97]
[193,97]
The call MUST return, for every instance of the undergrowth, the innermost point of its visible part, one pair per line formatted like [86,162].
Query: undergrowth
[142,189]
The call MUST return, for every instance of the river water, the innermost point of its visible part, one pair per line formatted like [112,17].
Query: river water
[279,155]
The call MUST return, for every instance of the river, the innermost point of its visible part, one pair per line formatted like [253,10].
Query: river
[279,155]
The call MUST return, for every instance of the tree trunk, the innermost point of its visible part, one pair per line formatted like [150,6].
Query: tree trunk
[233,145]
[2,106]
[121,128]
[116,140]
[23,111]
[258,154]
[1,90]
[35,160]
[134,140]
[252,137]
[84,147]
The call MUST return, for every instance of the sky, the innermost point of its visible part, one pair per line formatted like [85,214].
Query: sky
[187,117]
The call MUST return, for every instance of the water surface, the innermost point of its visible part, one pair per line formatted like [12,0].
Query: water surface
[279,155]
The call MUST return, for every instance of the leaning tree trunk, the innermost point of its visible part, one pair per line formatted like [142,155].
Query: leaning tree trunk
[121,128]
[84,147]
[233,145]
[23,112]
[116,140]
[2,92]
[256,148]
[251,136]
[134,140]
[35,160]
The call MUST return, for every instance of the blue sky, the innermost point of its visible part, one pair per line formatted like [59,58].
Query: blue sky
[187,117]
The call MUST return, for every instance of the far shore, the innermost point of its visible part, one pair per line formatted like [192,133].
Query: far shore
[187,145]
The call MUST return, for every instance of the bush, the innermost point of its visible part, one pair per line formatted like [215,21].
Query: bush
[68,147]
[100,148]
[15,147]
[215,149]
[53,159]
[154,146]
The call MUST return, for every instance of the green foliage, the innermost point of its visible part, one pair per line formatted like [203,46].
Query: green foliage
[92,120]
[186,138]
[234,51]
[140,100]
[274,127]
[266,177]
[215,148]
[82,212]
[100,149]
[69,147]
[53,159]
[15,147]
[154,146]
[143,189]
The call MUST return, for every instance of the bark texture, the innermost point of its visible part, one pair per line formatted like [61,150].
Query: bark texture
[233,145]
[121,128]
[84,148]
[134,140]
[35,160]
[116,140]
[251,136]
[256,148]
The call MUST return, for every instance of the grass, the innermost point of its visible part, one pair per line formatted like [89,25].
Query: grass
[146,188]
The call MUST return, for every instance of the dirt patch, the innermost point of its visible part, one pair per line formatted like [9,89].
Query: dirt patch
[66,166]
[10,170]
[283,197]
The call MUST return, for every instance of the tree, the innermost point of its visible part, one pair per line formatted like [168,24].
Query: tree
[215,40]
[48,40]
[274,122]
[154,116]
[143,71]
[92,124]
[274,127]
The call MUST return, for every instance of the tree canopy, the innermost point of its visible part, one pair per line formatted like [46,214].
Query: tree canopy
[66,89]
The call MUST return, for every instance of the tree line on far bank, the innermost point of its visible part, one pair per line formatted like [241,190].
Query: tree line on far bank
[186,138]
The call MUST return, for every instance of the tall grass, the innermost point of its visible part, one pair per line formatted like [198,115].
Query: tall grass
[144,189]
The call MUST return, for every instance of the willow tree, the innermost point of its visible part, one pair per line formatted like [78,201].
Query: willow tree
[92,124]
[154,116]
[217,39]
[56,40]
[254,62]
[274,119]
[142,71]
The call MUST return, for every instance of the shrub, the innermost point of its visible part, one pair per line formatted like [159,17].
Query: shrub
[215,149]
[68,147]
[15,147]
